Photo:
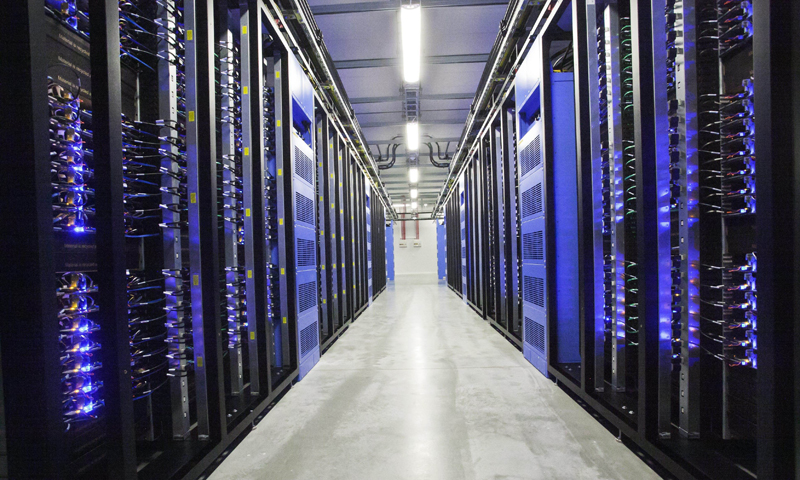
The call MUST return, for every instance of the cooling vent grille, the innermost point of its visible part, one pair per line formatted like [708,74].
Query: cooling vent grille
[534,334]
[303,166]
[533,290]
[533,246]
[306,296]
[306,253]
[531,156]
[532,201]
[304,208]
[308,339]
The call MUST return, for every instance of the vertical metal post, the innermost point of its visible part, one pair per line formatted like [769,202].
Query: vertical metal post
[511,224]
[110,237]
[171,237]
[649,192]
[323,212]
[227,155]
[615,168]
[286,251]
[590,195]
[777,90]
[201,158]
[253,158]
[33,422]
[686,89]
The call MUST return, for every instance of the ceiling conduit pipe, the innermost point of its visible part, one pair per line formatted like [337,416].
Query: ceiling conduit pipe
[394,157]
[434,162]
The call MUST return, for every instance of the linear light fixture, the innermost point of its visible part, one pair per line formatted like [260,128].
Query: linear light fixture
[413,175]
[410,24]
[413,205]
[412,136]
[414,193]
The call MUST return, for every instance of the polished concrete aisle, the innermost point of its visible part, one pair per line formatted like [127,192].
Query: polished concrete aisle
[421,388]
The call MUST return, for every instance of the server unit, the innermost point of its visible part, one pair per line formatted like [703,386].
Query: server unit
[620,150]
[167,236]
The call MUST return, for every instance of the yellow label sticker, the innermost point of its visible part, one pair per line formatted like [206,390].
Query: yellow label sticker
[277,74]
[333,235]
[331,175]
[249,274]
[191,115]
[246,212]
[244,90]
[324,301]
[252,335]
[322,232]
[189,35]
[323,267]
[199,361]
[334,266]
[333,206]
[280,221]
[277,123]
[340,184]
[193,197]
[244,29]
[335,295]
[284,320]
[283,271]
[196,279]
[341,210]
[342,264]
[246,151]
[280,172]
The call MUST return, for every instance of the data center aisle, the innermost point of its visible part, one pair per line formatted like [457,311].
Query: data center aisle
[420,387]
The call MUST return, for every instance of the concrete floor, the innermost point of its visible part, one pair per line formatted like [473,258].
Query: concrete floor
[421,388]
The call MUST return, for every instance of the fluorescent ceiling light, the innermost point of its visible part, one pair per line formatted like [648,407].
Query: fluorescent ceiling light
[414,205]
[410,24]
[414,193]
[412,136]
[413,175]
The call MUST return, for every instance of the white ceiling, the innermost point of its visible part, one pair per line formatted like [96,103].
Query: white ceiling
[363,38]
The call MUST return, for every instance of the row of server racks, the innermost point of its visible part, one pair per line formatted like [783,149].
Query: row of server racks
[608,225]
[186,229]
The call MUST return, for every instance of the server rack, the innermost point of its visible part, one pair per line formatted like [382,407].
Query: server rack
[169,179]
[650,226]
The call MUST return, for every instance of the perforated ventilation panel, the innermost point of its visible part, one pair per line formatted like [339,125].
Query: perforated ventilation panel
[306,296]
[306,253]
[303,166]
[304,208]
[533,290]
[534,334]
[533,246]
[308,338]
[532,201]
[531,156]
